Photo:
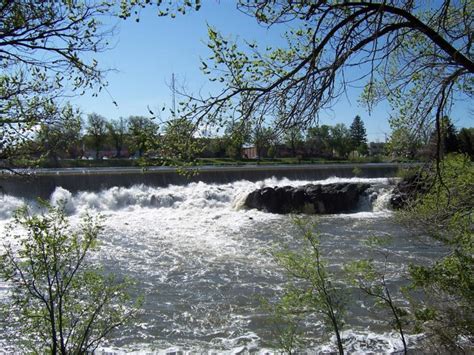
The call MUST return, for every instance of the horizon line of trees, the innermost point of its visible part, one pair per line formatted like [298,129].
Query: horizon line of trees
[405,143]
[139,136]
[68,136]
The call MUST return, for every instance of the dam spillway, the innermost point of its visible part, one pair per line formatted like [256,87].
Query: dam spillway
[43,182]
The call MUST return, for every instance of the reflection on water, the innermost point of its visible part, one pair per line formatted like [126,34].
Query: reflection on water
[201,262]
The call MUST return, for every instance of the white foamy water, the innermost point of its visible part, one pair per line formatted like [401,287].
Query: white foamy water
[190,199]
[8,204]
[200,260]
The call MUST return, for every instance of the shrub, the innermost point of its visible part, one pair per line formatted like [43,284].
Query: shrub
[59,303]
[445,212]
[310,292]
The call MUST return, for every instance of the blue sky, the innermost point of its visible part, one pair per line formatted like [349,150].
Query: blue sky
[146,53]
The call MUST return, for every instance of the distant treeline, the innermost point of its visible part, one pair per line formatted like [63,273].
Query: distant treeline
[71,137]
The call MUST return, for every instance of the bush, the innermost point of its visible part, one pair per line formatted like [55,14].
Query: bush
[59,303]
[372,281]
[445,212]
[311,291]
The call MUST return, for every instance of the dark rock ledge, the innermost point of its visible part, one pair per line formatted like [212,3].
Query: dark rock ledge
[407,191]
[310,199]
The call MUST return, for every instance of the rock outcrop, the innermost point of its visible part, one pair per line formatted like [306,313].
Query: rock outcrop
[311,199]
[407,191]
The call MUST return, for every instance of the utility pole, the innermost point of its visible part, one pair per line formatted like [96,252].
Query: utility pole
[173,88]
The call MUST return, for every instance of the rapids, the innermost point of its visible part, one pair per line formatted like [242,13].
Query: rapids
[201,262]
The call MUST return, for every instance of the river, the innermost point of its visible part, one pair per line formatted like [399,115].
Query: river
[202,263]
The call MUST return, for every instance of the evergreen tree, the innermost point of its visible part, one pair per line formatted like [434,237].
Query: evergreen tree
[449,138]
[358,133]
[358,136]
[466,141]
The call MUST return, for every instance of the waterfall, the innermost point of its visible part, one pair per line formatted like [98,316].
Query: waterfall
[195,195]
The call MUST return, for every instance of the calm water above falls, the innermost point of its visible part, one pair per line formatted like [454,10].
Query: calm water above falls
[201,263]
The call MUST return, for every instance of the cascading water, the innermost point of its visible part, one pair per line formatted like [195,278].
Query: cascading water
[200,260]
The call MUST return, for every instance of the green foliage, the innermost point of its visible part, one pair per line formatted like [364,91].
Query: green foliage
[142,134]
[285,325]
[358,133]
[445,212]
[466,141]
[264,139]
[293,138]
[62,136]
[340,140]
[372,281]
[311,289]
[214,147]
[97,131]
[59,303]
[414,56]
[403,143]
[407,173]
[117,131]
[47,53]
[318,141]
[170,8]
[179,143]
[419,96]
[272,152]
[237,133]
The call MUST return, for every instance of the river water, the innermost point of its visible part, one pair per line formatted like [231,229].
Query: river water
[202,263]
